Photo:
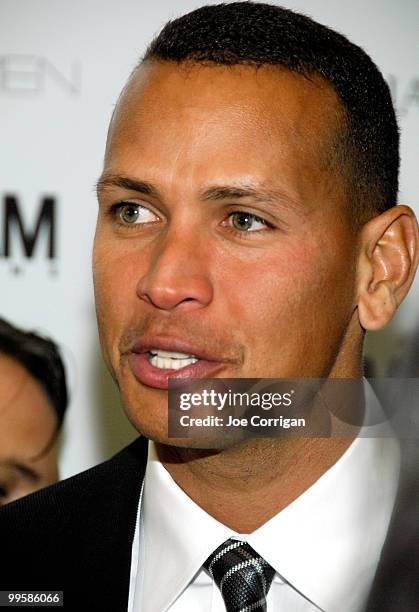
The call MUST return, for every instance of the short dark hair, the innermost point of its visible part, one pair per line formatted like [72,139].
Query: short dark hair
[41,358]
[366,144]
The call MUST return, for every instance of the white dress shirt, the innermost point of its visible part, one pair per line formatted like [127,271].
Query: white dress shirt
[324,546]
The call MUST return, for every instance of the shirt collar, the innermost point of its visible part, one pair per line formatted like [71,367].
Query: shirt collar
[326,544]
[178,536]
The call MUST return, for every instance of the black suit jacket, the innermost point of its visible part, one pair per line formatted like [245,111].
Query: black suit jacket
[76,536]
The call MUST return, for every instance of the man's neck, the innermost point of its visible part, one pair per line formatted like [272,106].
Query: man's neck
[246,485]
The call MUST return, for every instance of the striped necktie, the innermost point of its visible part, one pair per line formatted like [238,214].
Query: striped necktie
[243,576]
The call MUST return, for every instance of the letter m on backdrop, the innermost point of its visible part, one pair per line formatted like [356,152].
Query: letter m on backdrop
[14,227]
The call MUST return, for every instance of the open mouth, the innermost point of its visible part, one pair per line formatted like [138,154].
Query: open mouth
[170,360]
[154,366]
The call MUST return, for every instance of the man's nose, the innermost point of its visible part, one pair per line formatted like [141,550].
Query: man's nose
[177,275]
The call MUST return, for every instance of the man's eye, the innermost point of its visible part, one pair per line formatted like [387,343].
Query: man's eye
[246,222]
[134,214]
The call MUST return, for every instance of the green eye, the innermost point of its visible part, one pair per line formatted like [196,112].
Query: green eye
[243,221]
[129,213]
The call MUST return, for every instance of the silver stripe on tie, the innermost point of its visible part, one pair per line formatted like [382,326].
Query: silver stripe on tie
[255,562]
[223,552]
[253,606]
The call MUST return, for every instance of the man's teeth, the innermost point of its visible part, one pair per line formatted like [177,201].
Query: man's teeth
[169,360]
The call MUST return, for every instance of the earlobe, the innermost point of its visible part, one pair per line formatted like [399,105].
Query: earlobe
[388,259]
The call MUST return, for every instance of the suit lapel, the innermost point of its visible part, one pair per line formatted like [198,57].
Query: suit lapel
[396,584]
[109,526]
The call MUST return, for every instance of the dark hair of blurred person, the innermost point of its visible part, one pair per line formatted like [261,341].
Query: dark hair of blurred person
[33,401]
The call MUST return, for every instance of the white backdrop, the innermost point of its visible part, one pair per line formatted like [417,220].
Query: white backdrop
[62,65]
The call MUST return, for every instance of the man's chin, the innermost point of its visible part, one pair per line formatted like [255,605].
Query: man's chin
[151,421]
[198,444]
[211,443]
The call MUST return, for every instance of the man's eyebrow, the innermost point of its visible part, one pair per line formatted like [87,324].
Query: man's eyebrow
[258,194]
[125,182]
[216,192]
[272,197]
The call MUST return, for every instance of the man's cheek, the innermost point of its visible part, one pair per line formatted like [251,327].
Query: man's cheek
[285,304]
[285,277]
[115,277]
[114,287]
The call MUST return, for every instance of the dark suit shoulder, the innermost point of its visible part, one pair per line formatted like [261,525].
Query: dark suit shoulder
[77,533]
[396,584]
[69,498]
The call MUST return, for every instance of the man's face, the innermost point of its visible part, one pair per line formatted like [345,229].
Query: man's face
[27,425]
[229,241]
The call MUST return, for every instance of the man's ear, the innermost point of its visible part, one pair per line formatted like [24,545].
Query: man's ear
[387,262]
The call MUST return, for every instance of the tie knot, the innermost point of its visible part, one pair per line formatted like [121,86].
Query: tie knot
[243,576]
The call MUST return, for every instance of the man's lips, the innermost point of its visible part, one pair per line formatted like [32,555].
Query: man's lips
[206,366]
[176,345]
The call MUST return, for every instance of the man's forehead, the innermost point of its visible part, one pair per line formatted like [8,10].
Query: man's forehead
[265,93]
[183,128]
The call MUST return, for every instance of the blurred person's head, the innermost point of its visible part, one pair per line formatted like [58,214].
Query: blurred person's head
[33,400]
